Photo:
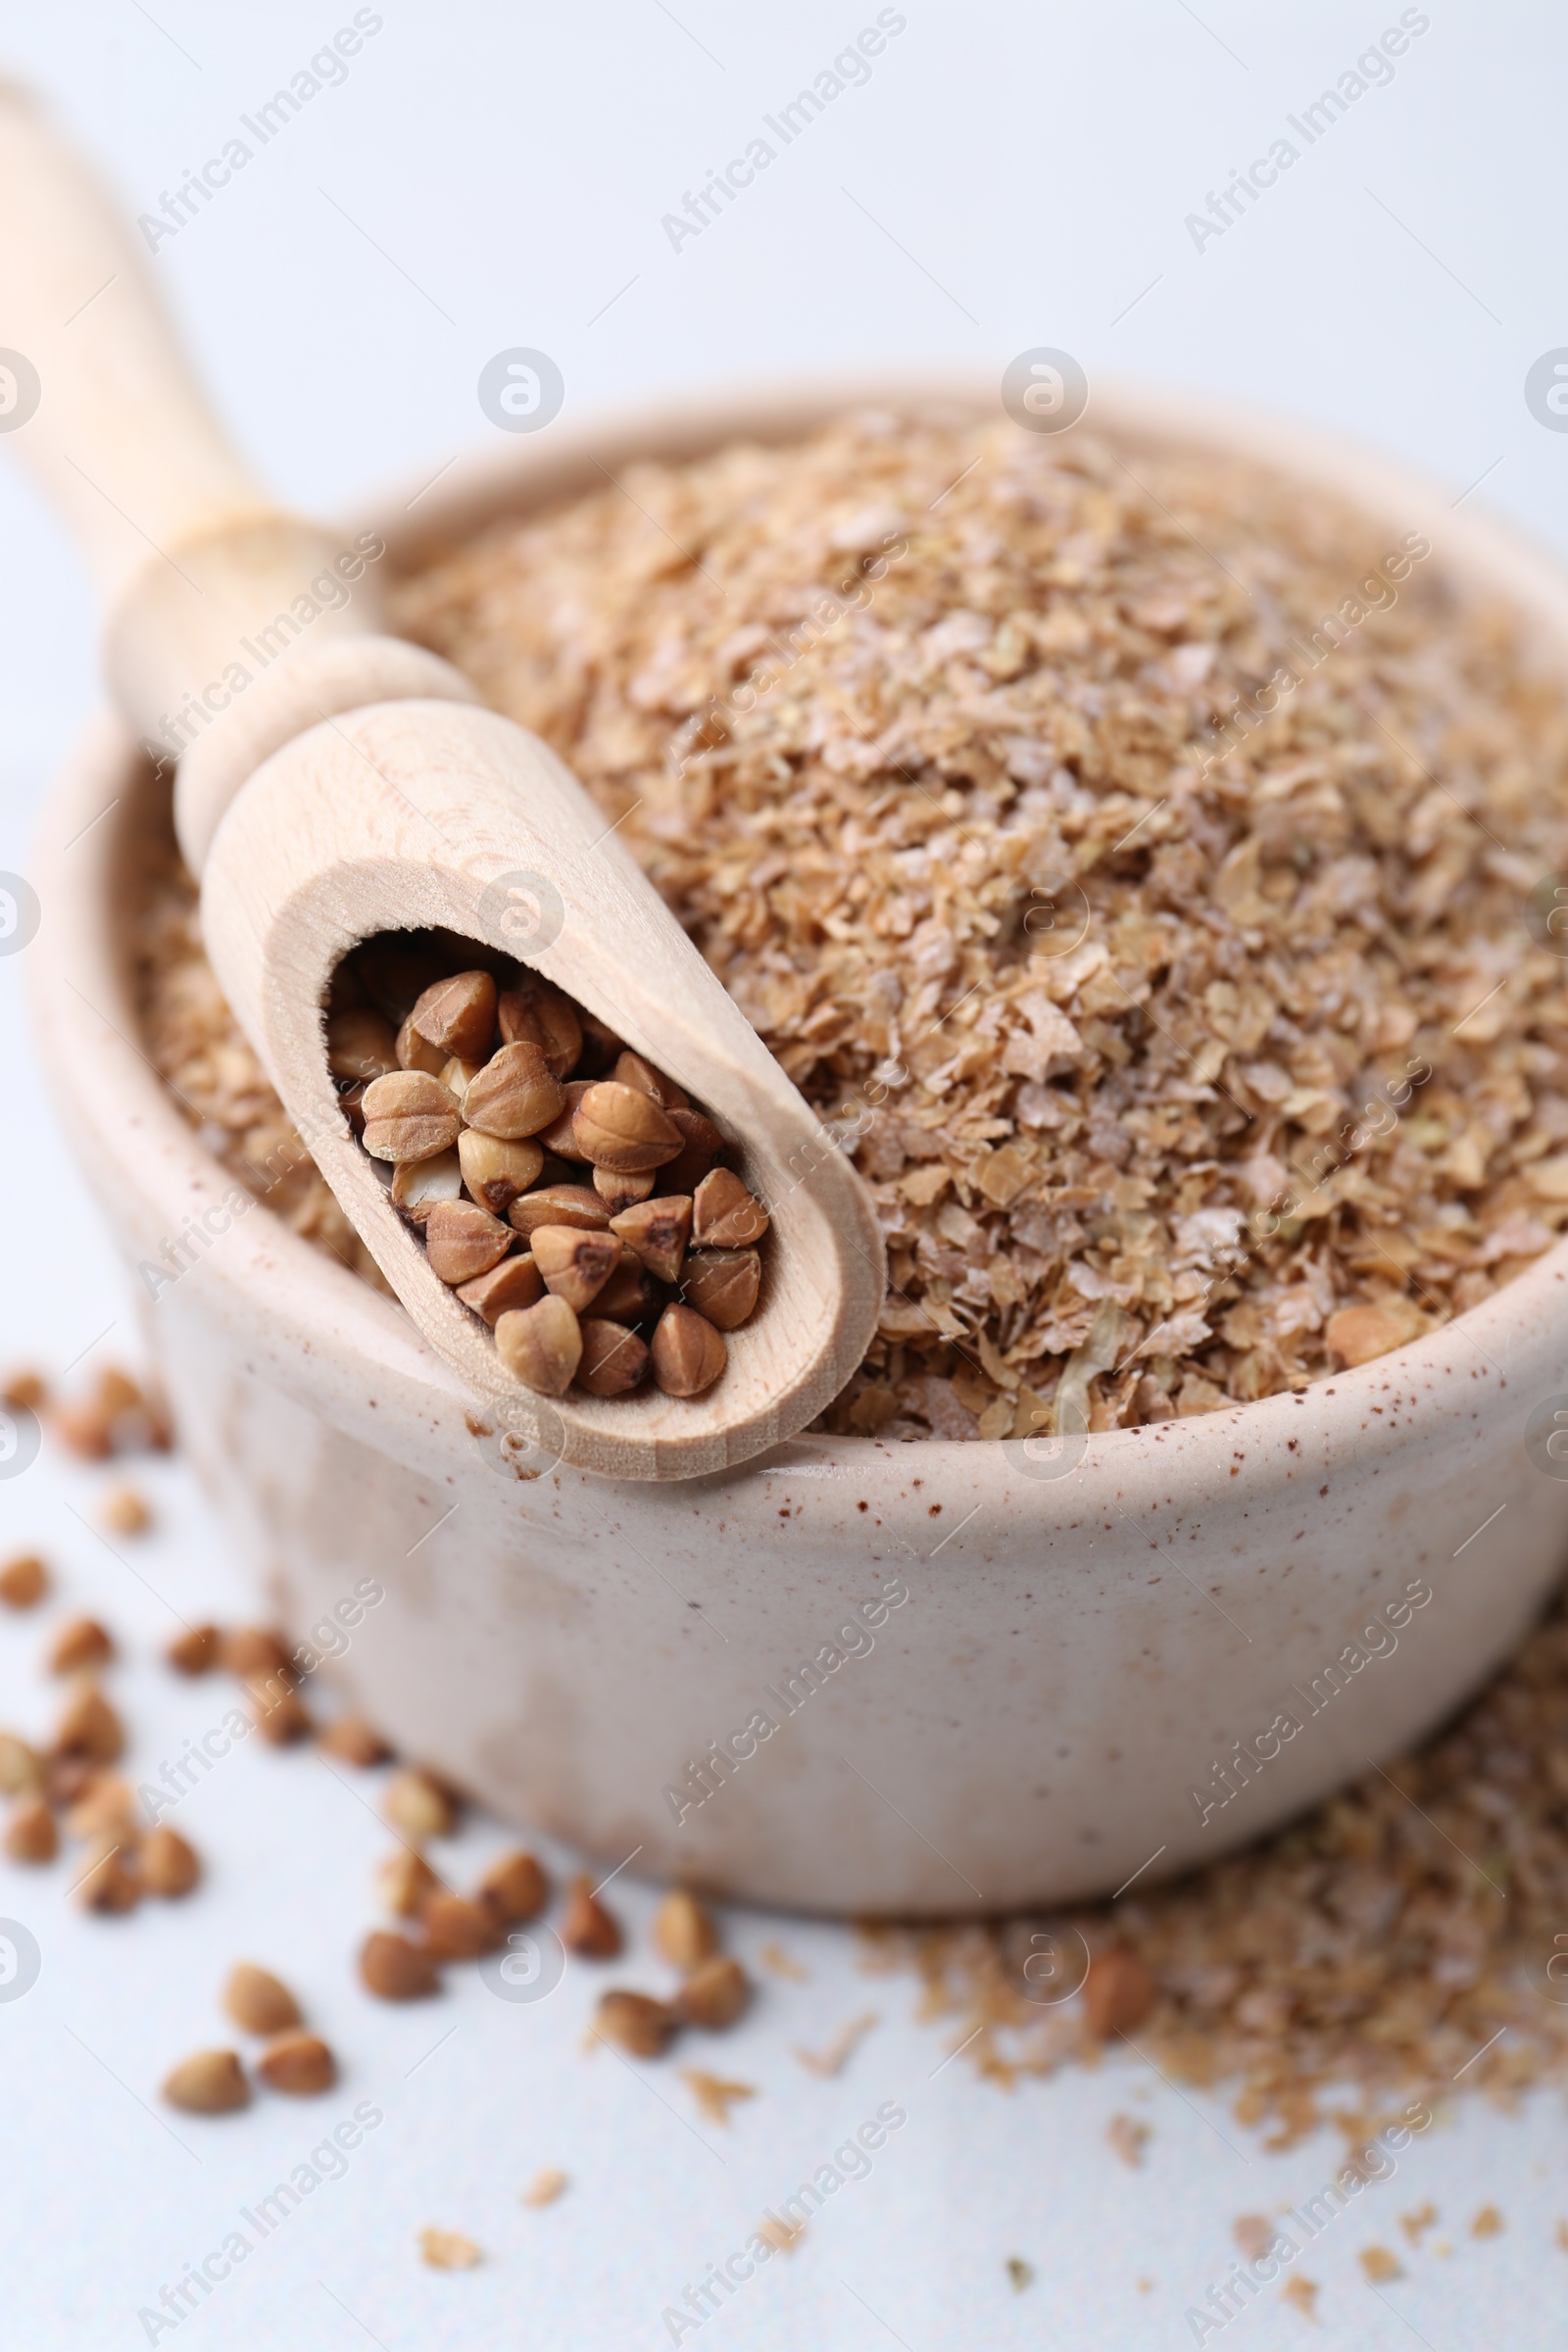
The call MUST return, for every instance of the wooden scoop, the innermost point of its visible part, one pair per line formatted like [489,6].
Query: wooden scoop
[334,782]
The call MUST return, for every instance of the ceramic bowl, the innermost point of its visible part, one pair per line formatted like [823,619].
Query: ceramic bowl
[854,1675]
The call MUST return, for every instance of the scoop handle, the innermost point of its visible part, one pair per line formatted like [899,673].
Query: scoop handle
[230,623]
[118,436]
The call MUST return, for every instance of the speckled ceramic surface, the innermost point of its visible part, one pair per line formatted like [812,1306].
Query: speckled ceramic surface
[853,1677]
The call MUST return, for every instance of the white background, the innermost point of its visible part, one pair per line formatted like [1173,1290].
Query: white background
[489,176]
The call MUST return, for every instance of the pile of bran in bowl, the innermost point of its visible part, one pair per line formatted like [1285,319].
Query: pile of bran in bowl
[1135,860]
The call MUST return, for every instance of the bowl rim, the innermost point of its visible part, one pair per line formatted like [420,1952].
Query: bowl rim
[292,1301]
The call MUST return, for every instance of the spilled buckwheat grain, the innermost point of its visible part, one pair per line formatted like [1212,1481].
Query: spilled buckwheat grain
[258,2001]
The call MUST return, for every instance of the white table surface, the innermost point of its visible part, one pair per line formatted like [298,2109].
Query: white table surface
[486,177]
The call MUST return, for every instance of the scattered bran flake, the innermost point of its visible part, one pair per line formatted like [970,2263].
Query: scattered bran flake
[125,1511]
[839,2051]
[1562,2235]
[1128,2139]
[780,1963]
[783,2236]
[447,2250]
[1355,1950]
[545,2187]
[1301,2293]
[1253,2233]
[714,2095]
[1379,2265]
[1229,1022]
[1021,2273]
[1489,2222]
[1415,2224]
